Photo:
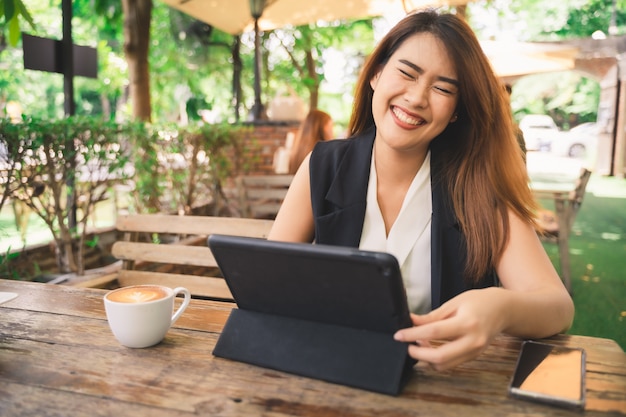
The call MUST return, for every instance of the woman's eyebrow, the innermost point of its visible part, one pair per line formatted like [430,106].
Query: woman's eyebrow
[420,70]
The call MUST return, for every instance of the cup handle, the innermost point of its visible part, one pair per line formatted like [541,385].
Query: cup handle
[183,306]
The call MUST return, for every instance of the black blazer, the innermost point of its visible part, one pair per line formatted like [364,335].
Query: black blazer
[339,174]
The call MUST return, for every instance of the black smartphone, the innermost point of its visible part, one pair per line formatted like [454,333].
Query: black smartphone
[550,374]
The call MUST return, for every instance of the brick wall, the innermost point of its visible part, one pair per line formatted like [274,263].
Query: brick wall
[263,141]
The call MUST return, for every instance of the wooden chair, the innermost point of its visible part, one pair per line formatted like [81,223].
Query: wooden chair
[557,225]
[186,262]
[261,196]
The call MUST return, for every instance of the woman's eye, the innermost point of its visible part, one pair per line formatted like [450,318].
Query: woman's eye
[443,90]
[406,74]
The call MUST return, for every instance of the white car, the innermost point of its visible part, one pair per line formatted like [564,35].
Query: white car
[539,131]
[577,142]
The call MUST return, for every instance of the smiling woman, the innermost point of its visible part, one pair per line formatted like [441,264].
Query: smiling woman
[433,174]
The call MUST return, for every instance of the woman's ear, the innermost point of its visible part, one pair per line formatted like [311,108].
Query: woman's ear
[454,118]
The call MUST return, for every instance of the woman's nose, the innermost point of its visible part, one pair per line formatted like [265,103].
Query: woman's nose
[417,94]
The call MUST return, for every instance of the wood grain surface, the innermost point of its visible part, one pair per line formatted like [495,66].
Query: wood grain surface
[59,358]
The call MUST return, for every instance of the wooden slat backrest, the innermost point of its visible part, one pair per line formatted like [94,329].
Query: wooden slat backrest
[196,254]
[262,195]
[193,225]
[209,287]
[166,254]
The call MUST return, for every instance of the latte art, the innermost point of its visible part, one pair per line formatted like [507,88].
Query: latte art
[137,294]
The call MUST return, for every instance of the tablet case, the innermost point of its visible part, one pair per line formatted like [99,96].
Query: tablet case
[319,311]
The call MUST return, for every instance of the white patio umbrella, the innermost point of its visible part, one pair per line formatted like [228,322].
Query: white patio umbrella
[235,17]
[511,60]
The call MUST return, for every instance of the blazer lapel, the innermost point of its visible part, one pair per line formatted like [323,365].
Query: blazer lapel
[347,195]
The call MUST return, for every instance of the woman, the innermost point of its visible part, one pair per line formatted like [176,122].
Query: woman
[433,174]
[317,126]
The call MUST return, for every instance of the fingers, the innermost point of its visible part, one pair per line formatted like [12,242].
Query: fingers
[445,356]
[466,339]
[441,356]
[445,311]
[431,327]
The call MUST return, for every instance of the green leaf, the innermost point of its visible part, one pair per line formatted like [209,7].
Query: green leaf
[93,242]
[9,10]
[14,31]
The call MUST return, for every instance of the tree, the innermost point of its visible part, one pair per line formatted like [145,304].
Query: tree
[307,49]
[558,19]
[137,16]
[302,41]
[191,56]
[593,16]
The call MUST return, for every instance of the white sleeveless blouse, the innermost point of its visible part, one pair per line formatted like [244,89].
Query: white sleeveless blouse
[409,237]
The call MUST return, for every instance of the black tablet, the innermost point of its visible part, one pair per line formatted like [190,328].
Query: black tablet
[324,312]
[329,284]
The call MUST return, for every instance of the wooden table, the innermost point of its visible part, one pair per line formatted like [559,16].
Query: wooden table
[59,358]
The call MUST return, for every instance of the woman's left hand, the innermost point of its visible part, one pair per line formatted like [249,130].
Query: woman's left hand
[468,322]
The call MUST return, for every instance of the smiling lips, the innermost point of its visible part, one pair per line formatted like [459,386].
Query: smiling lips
[406,118]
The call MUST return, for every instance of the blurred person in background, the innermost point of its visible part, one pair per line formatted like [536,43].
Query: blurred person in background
[317,126]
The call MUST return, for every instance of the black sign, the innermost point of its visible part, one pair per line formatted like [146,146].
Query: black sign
[43,54]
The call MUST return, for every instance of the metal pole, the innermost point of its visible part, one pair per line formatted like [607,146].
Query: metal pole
[68,58]
[69,104]
[258,112]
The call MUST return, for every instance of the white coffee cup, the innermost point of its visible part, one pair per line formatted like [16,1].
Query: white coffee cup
[141,315]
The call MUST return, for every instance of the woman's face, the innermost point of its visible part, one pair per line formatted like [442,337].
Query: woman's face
[415,94]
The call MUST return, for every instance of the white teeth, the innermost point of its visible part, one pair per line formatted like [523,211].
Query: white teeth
[406,118]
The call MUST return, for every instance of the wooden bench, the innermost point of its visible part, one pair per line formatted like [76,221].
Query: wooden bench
[186,261]
[558,225]
[261,196]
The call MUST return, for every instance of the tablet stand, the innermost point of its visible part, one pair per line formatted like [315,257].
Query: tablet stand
[359,358]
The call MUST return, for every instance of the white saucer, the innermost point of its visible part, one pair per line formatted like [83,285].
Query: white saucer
[7,296]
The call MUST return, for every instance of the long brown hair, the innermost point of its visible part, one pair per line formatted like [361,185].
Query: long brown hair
[311,131]
[484,169]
